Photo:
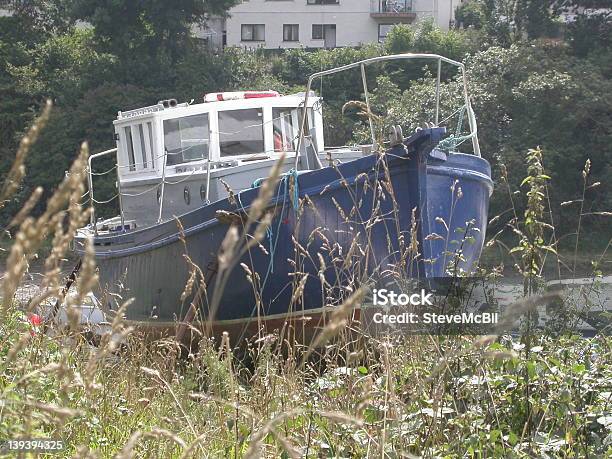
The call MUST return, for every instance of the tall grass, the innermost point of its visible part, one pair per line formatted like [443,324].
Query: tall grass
[347,394]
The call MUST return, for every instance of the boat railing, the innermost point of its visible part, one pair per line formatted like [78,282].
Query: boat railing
[161,184]
[209,166]
[92,199]
[407,56]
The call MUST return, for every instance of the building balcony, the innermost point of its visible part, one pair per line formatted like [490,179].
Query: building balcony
[394,10]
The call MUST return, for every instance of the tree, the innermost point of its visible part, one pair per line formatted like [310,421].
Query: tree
[62,68]
[590,31]
[510,20]
[535,18]
[46,17]
[470,14]
[148,36]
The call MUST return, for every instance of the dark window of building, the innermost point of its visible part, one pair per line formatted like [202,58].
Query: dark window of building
[253,32]
[383,30]
[323,2]
[291,32]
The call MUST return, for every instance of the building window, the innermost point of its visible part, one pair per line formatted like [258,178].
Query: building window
[323,2]
[291,32]
[253,32]
[394,6]
[241,132]
[383,30]
[186,139]
[317,31]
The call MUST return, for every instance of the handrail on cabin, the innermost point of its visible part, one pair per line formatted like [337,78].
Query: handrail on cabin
[407,56]
[91,192]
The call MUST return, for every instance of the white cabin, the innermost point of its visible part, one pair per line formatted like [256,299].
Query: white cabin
[171,156]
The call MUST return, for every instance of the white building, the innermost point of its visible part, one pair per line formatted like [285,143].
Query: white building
[273,24]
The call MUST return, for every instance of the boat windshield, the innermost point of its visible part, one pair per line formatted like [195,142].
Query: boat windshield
[309,128]
[241,132]
[186,139]
[284,132]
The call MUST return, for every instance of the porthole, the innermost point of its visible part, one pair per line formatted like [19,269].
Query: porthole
[203,192]
[186,196]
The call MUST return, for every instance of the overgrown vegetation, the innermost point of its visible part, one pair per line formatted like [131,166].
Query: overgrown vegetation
[423,396]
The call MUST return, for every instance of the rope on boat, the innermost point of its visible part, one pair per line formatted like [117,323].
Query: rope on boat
[106,201]
[295,199]
[454,140]
[105,172]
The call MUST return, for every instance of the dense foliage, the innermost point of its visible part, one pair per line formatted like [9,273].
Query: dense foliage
[526,92]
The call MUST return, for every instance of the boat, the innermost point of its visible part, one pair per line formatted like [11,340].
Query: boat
[338,217]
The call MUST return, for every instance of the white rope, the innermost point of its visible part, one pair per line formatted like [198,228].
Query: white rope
[180,181]
[142,192]
[107,201]
[104,173]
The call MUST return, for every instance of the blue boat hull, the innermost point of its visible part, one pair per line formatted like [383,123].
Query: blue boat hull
[414,211]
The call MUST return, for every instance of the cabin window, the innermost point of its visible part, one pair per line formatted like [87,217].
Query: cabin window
[241,132]
[186,139]
[150,129]
[129,144]
[139,146]
[283,129]
[143,146]
[309,127]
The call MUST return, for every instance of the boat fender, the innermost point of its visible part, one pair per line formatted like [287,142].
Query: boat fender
[438,154]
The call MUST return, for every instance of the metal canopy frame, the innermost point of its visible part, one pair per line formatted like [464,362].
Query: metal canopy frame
[407,56]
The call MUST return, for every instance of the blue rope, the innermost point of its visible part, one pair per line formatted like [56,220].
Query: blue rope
[272,245]
[454,140]
[284,183]
[283,187]
[296,192]
[257,182]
